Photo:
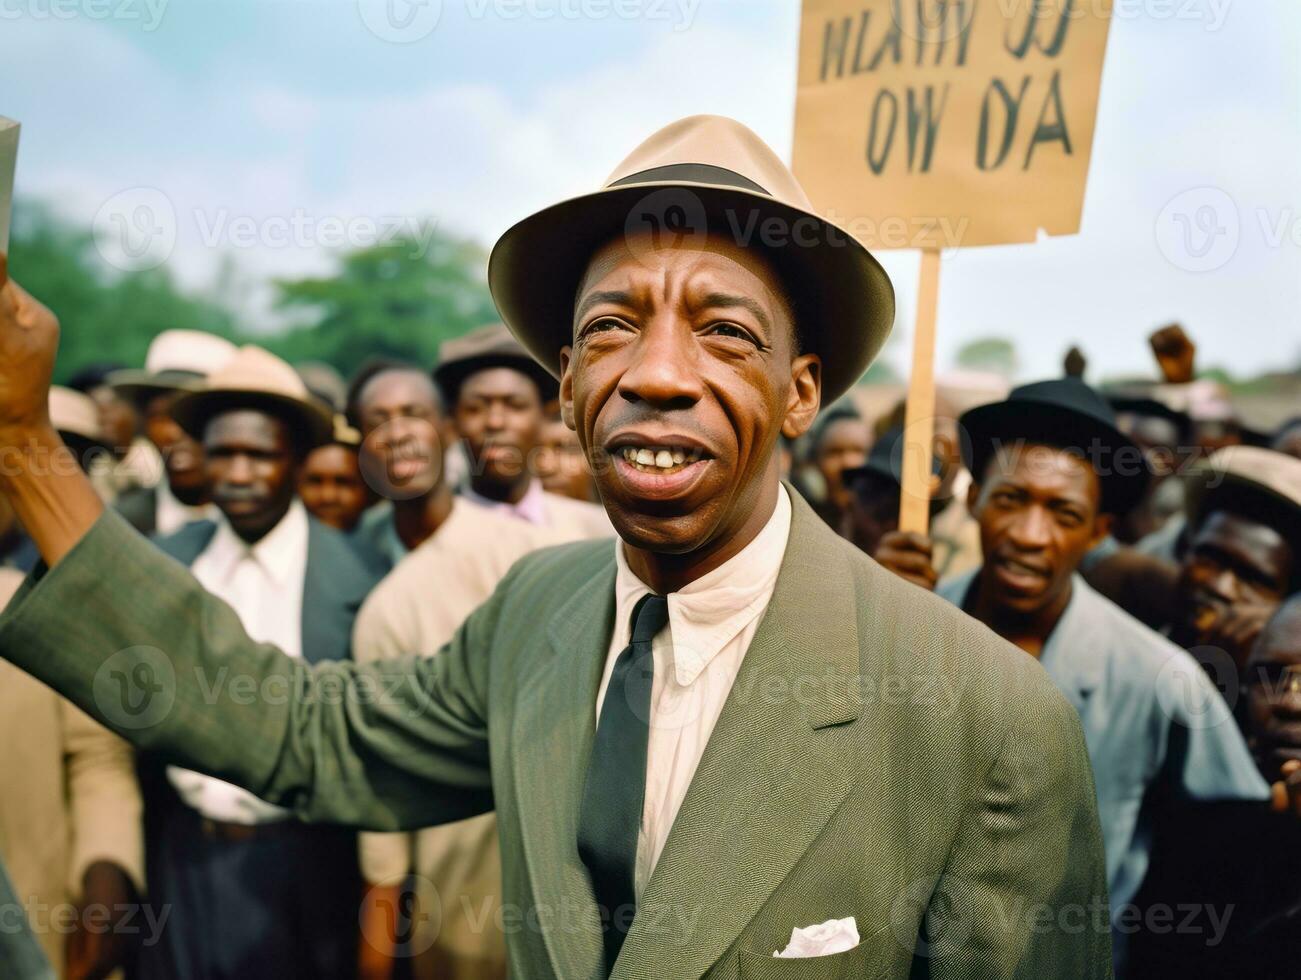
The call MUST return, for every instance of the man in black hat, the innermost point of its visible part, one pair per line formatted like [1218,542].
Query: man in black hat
[693,737]
[1050,471]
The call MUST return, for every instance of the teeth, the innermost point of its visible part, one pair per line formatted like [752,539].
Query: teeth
[679,457]
[664,459]
[645,457]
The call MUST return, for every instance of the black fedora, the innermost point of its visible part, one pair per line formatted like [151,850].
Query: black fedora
[1068,414]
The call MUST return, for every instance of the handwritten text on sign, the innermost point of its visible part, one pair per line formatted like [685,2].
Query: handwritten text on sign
[948,122]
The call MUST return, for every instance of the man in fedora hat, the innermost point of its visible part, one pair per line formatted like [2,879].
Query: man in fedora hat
[497,394]
[177,361]
[1050,471]
[713,740]
[253,891]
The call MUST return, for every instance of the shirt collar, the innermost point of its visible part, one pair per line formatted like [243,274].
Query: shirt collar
[712,611]
[279,552]
[532,507]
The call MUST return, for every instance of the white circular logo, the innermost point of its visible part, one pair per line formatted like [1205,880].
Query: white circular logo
[135,688]
[1199,691]
[669,218]
[136,230]
[402,916]
[400,21]
[1198,230]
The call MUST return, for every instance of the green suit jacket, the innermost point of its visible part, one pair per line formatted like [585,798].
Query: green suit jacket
[880,755]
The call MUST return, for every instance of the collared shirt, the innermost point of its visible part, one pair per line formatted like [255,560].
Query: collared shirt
[1150,714]
[532,507]
[263,583]
[171,515]
[697,656]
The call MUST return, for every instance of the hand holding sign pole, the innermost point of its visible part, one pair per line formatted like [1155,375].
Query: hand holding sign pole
[946,124]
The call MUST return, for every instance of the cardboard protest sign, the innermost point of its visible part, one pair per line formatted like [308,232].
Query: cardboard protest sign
[945,123]
[8,161]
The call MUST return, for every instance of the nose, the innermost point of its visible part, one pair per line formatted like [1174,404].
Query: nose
[239,470]
[1030,531]
[496,418]
[663,371]
[1224,583]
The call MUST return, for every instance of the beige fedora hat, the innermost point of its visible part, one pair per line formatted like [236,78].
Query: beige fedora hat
[177,360]
[1271,481]
[700,174]
[257,379]
[75,417]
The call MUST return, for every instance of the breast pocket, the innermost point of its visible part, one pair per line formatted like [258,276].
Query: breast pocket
[853,964]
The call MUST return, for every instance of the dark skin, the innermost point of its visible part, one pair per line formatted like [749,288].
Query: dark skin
[94,953]
[182,455]
[1235,574]
[1273,692]
[843,445]
[252,469]
[332,488]
[694,350]
[118,419]
[403,434]
[499,415]
[560,465]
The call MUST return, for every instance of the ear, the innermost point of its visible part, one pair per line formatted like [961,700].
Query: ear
[805,396]
[567,387]
[973,499]
[1101,528]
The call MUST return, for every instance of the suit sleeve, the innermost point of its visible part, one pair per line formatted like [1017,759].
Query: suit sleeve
[104,798]
[1024,894]
[129,636]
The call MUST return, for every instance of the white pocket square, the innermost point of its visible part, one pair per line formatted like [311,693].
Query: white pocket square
[832,936]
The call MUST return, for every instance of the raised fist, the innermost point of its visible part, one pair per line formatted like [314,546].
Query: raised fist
[29,340]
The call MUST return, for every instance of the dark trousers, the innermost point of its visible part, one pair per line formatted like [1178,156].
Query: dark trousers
[281,904]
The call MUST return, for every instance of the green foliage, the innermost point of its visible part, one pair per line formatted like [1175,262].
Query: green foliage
[996,354]
[105,315]
[397,300]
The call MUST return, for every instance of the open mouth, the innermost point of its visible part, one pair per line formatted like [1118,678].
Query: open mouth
[657,460]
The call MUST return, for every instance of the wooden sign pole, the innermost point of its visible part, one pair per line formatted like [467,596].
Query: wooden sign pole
[919,414]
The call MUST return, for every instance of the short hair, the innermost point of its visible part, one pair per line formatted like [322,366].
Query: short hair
[372,369]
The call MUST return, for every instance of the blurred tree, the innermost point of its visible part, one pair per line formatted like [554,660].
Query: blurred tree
[105,314]
[995,354]
[396,300]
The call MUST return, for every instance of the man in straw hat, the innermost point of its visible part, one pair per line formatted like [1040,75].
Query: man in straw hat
[711,741]
[253,891]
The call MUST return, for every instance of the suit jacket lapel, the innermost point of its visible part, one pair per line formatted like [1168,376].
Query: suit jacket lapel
[554,729]
[333,591]
[774,770]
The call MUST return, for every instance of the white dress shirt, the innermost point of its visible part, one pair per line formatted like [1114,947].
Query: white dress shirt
[170,515]
[263,583]
[711,624]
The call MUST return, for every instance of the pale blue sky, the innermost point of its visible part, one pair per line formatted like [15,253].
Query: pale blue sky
[284,111]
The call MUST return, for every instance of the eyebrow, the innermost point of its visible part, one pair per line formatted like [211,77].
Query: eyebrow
[617,296]
[725,300]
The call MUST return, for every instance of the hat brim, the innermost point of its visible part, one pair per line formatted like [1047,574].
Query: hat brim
[1200,495]
[450,376]
[843,299]
[1122,469]
[311,426]
[139,387]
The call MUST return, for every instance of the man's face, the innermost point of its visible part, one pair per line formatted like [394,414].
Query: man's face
[873,511]
[182,456]
[1037,507]
[117,417]
[561,466]
[681,375]
[844,444]
[499,415]
[1231,561]
[251,470]
[1273,692]
[402,447]
[332,488]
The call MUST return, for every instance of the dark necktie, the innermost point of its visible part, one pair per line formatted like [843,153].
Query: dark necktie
[610,816]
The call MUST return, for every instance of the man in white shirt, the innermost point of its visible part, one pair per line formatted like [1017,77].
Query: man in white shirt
[254,892]
[496,394]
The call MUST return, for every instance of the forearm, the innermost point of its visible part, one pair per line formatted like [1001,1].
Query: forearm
[50,494]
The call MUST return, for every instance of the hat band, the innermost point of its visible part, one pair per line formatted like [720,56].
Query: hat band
[691,173]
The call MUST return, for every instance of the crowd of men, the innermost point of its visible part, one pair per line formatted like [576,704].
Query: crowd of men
[1146,553]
